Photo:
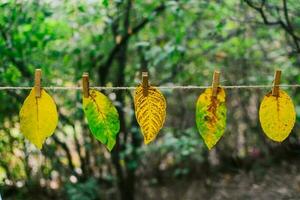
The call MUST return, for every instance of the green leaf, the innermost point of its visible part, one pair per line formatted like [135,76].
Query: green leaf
[105,3]
[103,118]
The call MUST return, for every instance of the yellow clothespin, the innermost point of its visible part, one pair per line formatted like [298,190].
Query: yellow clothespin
[145,83]
[215,83]
[85,85]
[276,83]
[37,82]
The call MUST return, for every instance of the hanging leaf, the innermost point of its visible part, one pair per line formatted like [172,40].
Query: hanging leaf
[277,116]
[103,118]
[38,117]
[211,116]
[150,112]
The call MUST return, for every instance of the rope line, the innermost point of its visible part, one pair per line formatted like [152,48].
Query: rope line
[175,87]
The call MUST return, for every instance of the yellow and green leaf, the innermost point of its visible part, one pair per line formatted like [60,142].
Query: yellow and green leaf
[103,118]
[277,116]
[150,112]
[38,117]
[211,116]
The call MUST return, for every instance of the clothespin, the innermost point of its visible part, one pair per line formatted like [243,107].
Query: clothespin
[37,82]
[215,83]
[145,83]
[85,84]
[276,83]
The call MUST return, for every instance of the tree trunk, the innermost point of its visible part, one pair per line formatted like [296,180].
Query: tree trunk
[127,182]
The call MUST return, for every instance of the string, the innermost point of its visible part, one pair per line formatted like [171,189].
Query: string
[174,87]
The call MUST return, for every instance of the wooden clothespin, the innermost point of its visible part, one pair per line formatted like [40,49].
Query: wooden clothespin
[85,84]
[37,82]
[215,83]
[276,83]
[145,83]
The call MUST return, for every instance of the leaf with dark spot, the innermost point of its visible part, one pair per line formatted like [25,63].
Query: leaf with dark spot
[211,116]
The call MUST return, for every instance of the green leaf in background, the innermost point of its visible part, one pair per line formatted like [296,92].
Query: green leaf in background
[105,3]
[211,116]
[103,118]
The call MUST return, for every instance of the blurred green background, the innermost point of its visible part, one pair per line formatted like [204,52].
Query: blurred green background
[180,42]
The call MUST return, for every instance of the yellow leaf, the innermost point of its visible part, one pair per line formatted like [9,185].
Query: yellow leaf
[277,116]
[150,111]
[38,117]
[211,116]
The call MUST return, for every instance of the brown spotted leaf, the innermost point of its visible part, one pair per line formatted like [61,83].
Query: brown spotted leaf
[211,116]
